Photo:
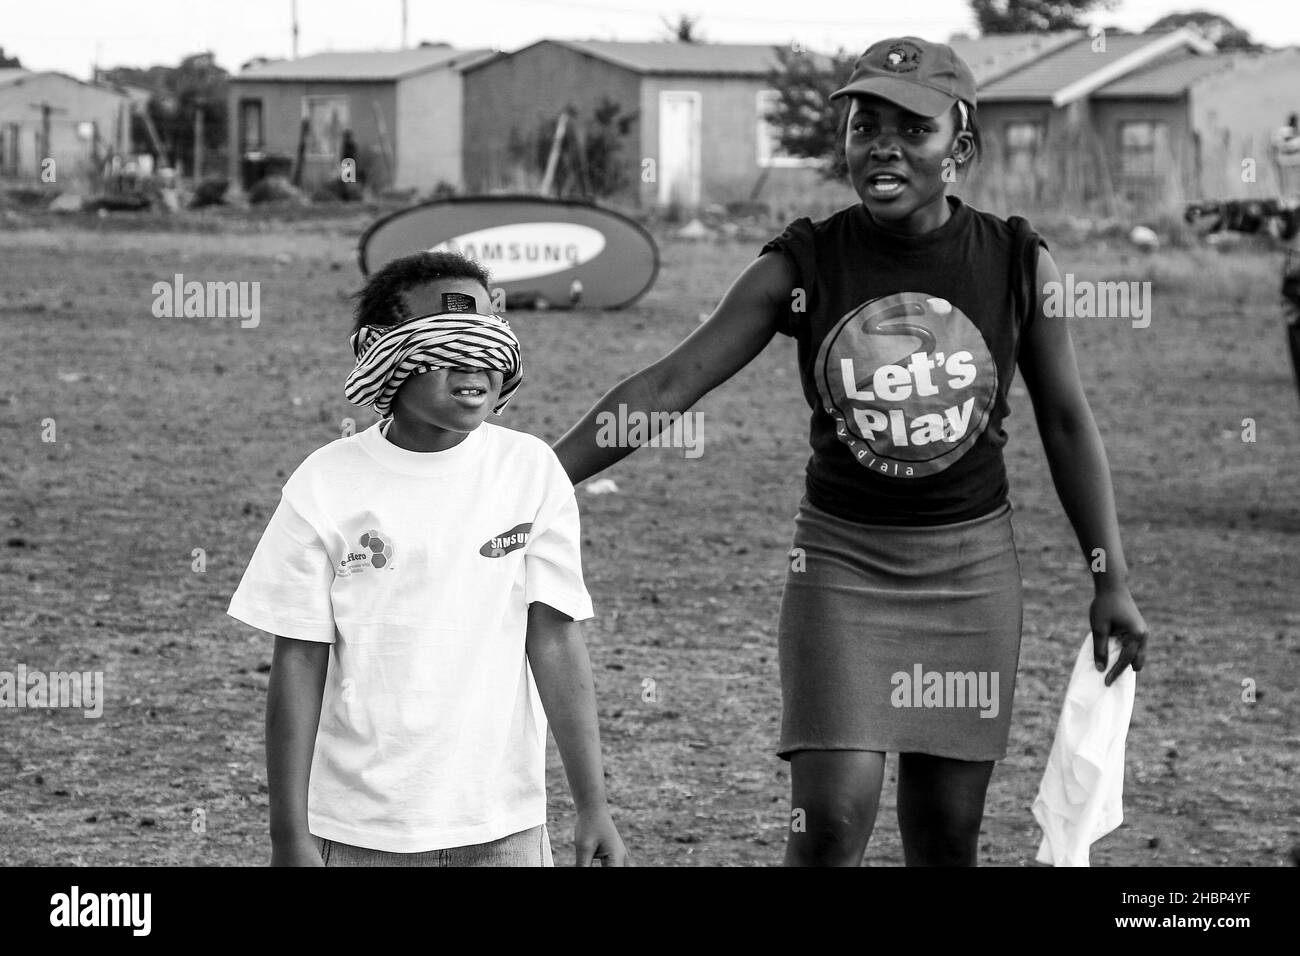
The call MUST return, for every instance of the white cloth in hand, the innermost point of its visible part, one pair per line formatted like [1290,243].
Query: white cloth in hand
[1080,798]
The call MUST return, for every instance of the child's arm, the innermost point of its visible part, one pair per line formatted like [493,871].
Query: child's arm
[562,670]
[1082,477]
[293,704]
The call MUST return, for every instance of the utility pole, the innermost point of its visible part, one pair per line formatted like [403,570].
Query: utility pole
[403,24]
[295,29]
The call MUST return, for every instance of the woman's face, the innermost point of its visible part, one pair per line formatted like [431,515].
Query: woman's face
[896,160]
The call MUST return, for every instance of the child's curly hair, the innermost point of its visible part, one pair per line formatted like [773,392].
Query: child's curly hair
[379,301]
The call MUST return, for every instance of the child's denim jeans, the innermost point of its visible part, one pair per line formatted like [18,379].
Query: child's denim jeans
[526,848]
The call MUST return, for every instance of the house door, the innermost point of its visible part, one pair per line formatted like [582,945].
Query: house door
[679,147]
[326,118]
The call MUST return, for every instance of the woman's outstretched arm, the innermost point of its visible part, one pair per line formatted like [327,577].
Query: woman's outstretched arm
[739,328]
[1082,477]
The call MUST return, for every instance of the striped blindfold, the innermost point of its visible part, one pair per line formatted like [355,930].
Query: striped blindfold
[453,338]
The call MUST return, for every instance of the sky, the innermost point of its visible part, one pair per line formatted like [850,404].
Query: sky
[73,35]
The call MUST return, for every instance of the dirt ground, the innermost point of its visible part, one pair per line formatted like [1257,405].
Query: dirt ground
[176,434]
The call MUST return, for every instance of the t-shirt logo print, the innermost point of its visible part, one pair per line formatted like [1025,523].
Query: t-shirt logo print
[910,382]
[374,550]
[507,541]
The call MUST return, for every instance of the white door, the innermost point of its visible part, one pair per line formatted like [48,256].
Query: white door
[679,147]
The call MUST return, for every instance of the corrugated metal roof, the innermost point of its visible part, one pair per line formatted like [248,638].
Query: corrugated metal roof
[726,59]
[364,65]
[11,75]
[1041,79]
[990,57]
[1168,78]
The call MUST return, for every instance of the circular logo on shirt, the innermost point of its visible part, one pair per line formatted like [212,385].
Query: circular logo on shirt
[374,550]
[910,382]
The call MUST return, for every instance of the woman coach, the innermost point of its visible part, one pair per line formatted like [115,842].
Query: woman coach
[918,311]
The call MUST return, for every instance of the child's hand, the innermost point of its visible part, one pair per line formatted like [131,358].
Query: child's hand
[1113,614]
[299,852]
[596,838]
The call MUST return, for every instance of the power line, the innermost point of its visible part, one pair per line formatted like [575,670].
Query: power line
[791,20]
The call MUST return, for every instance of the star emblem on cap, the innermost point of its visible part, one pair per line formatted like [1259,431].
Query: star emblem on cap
[902,58]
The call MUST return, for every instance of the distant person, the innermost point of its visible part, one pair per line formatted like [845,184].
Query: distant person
[348,151]
[1286,160]
[1286,155]
[423,580]
[912,312]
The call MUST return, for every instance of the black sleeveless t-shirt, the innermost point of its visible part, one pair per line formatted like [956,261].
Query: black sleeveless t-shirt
[907,347]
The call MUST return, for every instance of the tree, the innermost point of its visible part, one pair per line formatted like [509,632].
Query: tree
[177,93]
[8,62]
[1216,28]
[1034,16]
[808,124]
[591,164]
[603,145]
[683,31]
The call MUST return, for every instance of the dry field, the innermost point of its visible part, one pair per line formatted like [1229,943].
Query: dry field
[176,434]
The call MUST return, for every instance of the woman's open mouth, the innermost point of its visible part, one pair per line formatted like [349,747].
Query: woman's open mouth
[885,185]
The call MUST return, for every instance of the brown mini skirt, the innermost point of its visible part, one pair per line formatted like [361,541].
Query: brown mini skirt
[900,639]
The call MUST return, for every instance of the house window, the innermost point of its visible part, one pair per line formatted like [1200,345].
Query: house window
[1023,141]
[1142,146]
[327,117]
[250,126]
[768,136]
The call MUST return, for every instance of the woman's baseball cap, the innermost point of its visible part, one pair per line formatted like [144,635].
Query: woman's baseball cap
[926,78]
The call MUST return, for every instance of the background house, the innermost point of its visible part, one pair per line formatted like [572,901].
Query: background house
[1231,103]
[402,107]
[1144,120]
[52,115]
[700,136]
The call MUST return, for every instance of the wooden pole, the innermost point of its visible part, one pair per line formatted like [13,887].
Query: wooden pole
[43,145]
[385,148]
[579,145]
[153,135]
[45,129]
[198,143]
[97,169]
[553,160]
[301,155]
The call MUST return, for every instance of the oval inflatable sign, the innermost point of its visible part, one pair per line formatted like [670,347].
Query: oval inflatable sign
[561,253]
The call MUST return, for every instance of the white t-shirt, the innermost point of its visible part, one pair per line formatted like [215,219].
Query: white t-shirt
[419,568]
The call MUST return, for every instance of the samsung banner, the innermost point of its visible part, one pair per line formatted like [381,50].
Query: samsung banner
[540,252]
